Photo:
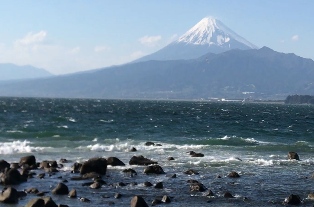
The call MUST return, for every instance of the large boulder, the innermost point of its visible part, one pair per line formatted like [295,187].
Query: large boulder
[293,156]
[199,187]
[138,201]
[12,177]
[154,169]
[9,195]
[61,189]
[113,161]
[97,165]
[140,160]
[29,161]
[4,165]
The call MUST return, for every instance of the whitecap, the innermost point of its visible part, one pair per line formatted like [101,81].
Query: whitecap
[18,147]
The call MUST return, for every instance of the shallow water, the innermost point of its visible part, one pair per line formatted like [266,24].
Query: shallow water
[252,139]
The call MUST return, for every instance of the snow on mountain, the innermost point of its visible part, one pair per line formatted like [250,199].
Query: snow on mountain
[210,31]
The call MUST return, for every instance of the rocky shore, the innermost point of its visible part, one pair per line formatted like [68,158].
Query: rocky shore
[107,181]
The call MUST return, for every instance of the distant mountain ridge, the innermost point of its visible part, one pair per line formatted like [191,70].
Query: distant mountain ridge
[208,35]
[255,73]
[10,71]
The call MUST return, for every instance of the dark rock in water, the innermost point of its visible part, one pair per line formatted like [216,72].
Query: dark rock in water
[95,185]
[113,161]
[170,158]
[14,165]
[191,172]
[3,165]
[41,193]
[149,144]
[91,175]
[12,177]
[209,193]
[133,149]
[21,194]
[138,201]
[61,189]
[156,201]
[159,185]
[154,169]
[97,165]
[171,175]
[130,171]
[228,195]
[199,187]
[293,156]
[77,167]
[148,184]
[117,195]
[28,160]
[82,199]
[36,202]
[32,190]
[72,194]
[166,199]
[63,160]
[158,145]
[140,160]
[293,200]
[48,164]
[192,181]
[120,184]
[233,174]
[49,202]
[62,205]
[41,175]
[9,195]
[310,196]
[195,154]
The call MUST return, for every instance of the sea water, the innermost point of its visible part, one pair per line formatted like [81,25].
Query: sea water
[252,139]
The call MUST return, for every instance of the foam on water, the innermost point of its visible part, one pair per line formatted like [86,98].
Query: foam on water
[18,147]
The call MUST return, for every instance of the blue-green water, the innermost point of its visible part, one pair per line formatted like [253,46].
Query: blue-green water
[252,139]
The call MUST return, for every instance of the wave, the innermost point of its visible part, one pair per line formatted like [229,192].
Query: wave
[18,147]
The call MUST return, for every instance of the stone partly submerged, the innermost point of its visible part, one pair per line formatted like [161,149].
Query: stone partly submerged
[138,201]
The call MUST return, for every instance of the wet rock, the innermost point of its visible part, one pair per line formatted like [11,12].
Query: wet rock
[209,193]
[62,205]
[61,189]
[233,174]
[14,165]
[293,200]
[82,199]
[4,165]
[293,156]
[192,181]
[166,199]
[95,185]
[154,169]
[149,144]
[138,201]
[42,193]
[310,196]
[171,175]
[63,160]
[195,154]
[72,194]
[36,202]
[21,194]
[228,195]
[130,171]
[12,177]
[140,160]
[9,195]
[156,201]
[49,202]
[76,167]
[41,175]
[159,185]
[28,160]
[32,190]
[198,187]
[113,161]
[97,165]
[170,158]
[191,172]
[133,149]
[48,164]
[148,184]
[117,195]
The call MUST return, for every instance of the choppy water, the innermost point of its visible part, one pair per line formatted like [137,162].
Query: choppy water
[252,139]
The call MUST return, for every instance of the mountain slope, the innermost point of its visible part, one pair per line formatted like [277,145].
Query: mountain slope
[208,35]
[261,73]
[14,72]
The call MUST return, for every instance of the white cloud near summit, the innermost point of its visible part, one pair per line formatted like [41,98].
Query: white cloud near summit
[149,40]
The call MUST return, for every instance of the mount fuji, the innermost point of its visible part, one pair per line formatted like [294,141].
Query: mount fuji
[208,35]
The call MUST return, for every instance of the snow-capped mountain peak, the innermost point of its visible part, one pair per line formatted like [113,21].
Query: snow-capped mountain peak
[210,31]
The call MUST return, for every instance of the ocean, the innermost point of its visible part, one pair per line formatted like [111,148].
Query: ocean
[252,139]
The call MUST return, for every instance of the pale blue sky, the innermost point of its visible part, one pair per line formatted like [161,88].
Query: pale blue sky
[66,36]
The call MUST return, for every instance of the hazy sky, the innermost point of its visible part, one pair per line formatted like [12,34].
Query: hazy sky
[64,36]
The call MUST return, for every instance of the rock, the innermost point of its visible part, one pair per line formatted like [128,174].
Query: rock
[138,201]
[32,190]
[48,164]
[199,187]
[171,175]
[113,161]
[192,181]
[63,160]
[49,202]
[166,199]
[12,177]
[60,189]
[9,195]
[41,175]
[233,174]
[194,154]
[154,169]
[72,194]
[228,195]
[148,184]
[133,149]
[293,156]
[159,185]
[293,200]
[76,167]
[62,205]
[156,201]
[36,202]
[140,160]
[117,195]
[170,158]
[97,165]
[191,172]
[3,165]
[95,185]
[130,171]
[149,144]
[82,199]
[209,193]
[28,160]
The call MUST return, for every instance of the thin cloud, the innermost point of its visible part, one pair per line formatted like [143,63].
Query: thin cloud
[32,38]
[101,48]
[295,38]
[149,40]
[137,54]
[75,50]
